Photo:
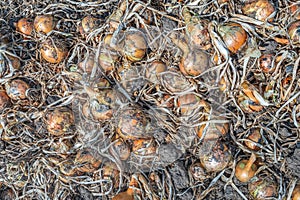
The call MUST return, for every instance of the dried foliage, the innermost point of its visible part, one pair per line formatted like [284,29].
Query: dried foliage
[149,99]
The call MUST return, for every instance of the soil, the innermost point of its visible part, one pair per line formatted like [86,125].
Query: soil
[233,96]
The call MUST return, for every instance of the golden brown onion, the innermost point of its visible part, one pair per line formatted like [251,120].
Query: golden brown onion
[214,156]
[194,62]
[245,169]
[59,121]
[135,45]
[53,52]
[132,123]
[25,26]
[154,69]
[262,188]
[260,9]
[101,104]
[87,25]
[107,60]
[16,89]
[87,161]
[44,23]
[233,35]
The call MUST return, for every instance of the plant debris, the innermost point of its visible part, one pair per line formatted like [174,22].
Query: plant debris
[149,99]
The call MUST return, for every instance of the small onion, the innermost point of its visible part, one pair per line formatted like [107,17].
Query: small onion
[16,89]
[87,161]
[189,103]
[135,45]
[262,188]
[116,16]
[265,63]
[154,69]
[44,23]
[25,26]
[101,104]
[196,30]
[131,79]
[59,121]
[174,82]
[87,25]
[132,123]
[249,98]
[194,60]
[53,52]
[260,10]
[107,60]
[245,169]
[214,156]
[233,35]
